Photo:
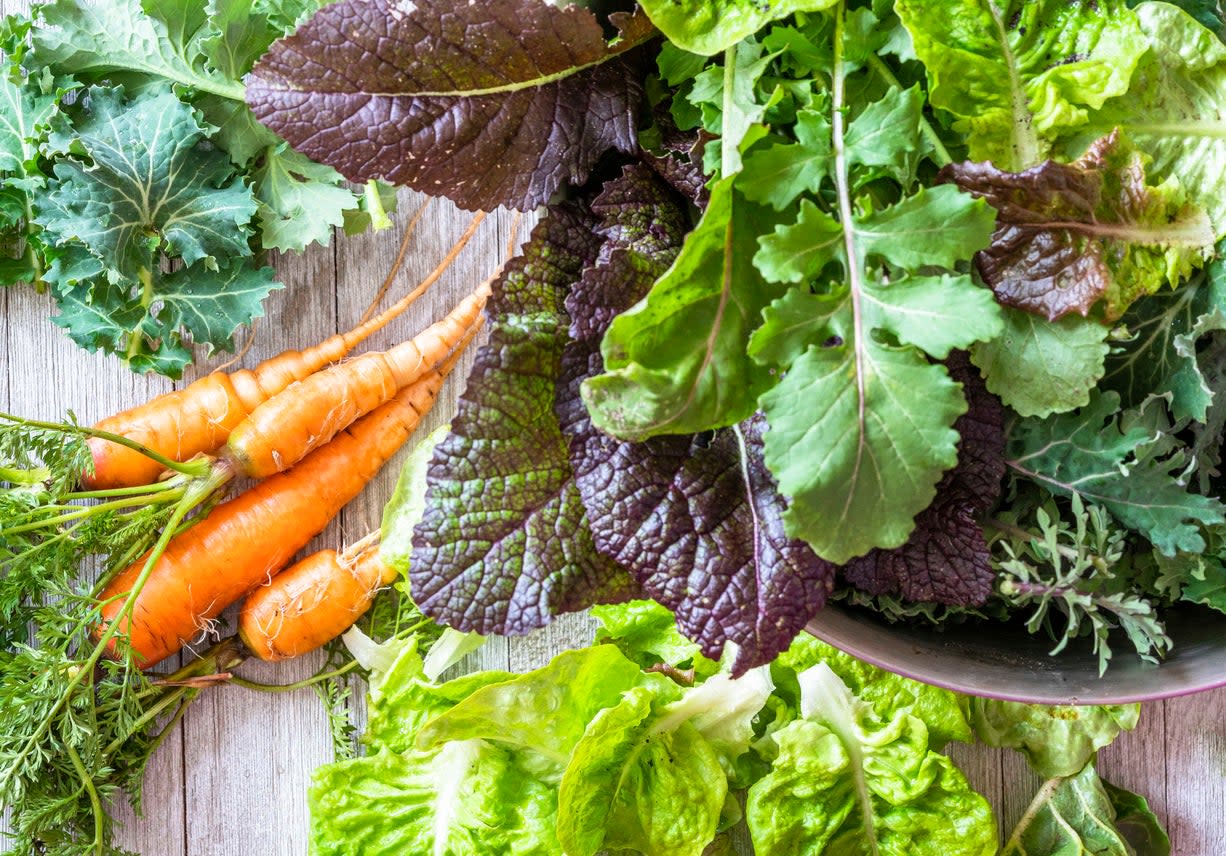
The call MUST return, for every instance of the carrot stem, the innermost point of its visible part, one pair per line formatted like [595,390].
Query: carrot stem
[88,784]
[298,685]
[409,229]
[191,468]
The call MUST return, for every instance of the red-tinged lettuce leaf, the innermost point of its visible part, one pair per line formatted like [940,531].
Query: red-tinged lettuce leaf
[695,518]
[1071,235]
[491,103]
[946,559]
[504,545]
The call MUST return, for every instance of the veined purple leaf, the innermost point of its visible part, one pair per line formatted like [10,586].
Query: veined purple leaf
[696,519]
[491,103]
[504,545]
[946,559]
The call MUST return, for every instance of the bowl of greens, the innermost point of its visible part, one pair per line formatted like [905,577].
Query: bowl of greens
[918,307]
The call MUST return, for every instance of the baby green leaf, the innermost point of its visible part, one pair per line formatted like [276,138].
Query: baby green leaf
[706,27]
[1175,109]
[777,174]
[1070,235]
[1039,367]
[1015,74]
[1072,815]
[300,201]
[662,378]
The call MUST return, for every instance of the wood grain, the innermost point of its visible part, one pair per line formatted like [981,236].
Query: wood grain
[234,778]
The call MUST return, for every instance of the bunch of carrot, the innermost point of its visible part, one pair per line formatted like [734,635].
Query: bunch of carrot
[316,436]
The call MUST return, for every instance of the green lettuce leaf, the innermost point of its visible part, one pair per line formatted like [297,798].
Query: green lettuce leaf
[1138,823]
[646,633]
[1175,109]
[408,503]
[847,781]
[706,28]
[636,784]
[1039,368]
[1015,75]
[1057,740]
[659,377]
[470,798]
[1070,815]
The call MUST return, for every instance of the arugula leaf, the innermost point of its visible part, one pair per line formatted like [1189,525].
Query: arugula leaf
[1072,814]
[141,185]
[1039,368]
[659,377]
[1174,108]
[778,174]
[543,109]
[706,28]
[1092,453]
[1070,235]
[1015,74]
[524,553]
[946,559]
[1057,740]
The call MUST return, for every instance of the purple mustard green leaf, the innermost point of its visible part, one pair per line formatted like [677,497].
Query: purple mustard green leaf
[946,559]
[491,103]
[503,545]
[1071,235]
[696,518]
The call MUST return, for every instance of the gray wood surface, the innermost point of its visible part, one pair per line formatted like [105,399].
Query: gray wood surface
[233,779]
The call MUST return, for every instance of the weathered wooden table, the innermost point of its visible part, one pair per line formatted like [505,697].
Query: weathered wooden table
[232,781]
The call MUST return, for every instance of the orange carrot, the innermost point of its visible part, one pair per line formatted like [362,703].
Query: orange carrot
[307,414]
[314,601]
[249,538]
[200,417]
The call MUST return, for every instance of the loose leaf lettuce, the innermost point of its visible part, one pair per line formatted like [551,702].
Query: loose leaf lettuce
[1071,235]
[1057,740]
[705,27]
[1069,815]
[1014,75]
[1175,109]
[847,781]
[523,553]
[501,119]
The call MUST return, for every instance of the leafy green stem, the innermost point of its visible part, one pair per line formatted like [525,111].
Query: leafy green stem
[843,186]
[297,685]
[728,160]
[940,154]
[196,468]
[88,784]
[18,476]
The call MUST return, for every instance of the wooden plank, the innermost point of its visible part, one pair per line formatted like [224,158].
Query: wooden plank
[1195,771]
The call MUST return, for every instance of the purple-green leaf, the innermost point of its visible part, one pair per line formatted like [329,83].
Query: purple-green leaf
[696,519]
[491,103]
[946,559]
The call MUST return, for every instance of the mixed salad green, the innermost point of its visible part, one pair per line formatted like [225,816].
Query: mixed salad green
[916,304]
[640,744]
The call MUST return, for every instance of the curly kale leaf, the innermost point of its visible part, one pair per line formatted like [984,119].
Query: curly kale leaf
[1071,235]
[504,545]
[1107,459]
[418,98]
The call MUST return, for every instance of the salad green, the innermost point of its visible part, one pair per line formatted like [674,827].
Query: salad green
[641,744]
[942,333]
